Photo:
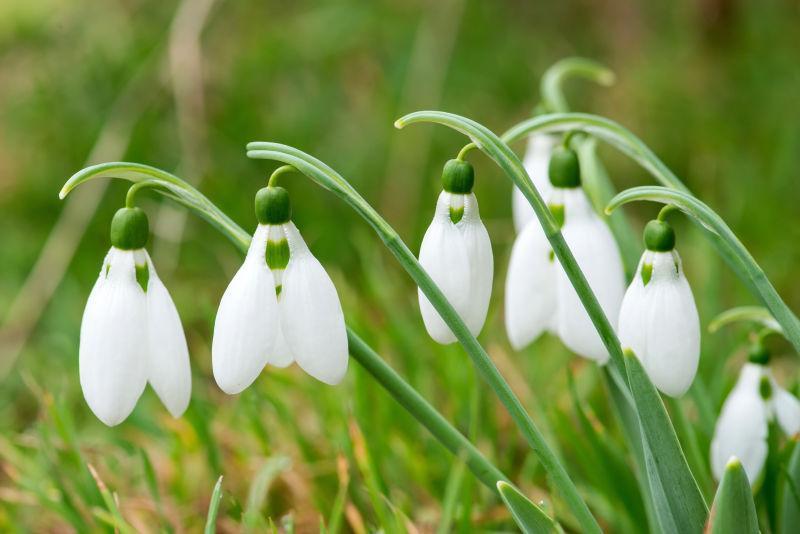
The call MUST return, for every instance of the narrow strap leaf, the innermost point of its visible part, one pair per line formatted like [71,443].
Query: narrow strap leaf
[678,501]
[790,502]
[733,511]
[530,518]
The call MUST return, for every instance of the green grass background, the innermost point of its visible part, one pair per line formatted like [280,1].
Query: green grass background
[712,86]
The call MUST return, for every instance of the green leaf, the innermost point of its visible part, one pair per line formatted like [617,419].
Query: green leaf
[213,508]
[530,518]
[733,511]
[677,499]
[790,507]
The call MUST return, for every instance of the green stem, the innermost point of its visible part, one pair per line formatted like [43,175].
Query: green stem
[719,232]
[402,392]
[331,180]
[553,78]
[273,179]
[463,152]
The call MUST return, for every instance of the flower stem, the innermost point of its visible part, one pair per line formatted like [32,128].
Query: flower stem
[331,180]
[177,189]
[463,152]
[283,169]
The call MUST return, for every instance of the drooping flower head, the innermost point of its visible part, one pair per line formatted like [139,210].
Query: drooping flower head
[457,254]
[131,333]
[539,295]
[743,425]
[281,306]
[658,320]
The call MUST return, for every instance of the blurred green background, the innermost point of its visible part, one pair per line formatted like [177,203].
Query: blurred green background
[712,86]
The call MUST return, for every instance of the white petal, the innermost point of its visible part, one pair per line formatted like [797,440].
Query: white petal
[169,371]
[443,255]
[530,296]
[633,312]
[247,321]
[536,162]
[741,431]
[787,409]
[479,256]
[672,327]
[113,342]
[311,314]
[598,256]
[281,356]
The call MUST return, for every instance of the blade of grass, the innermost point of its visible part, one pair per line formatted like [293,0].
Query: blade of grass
[252,518]
[213,508]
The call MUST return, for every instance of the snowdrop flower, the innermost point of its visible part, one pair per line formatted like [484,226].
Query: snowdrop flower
[539,296]
[743,425]
[537,158]
[281,306]
[131,333]
[457,254]
[658,320]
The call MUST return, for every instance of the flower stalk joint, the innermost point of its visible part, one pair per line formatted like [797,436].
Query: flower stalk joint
[129,229]
[659,236]
[564,169]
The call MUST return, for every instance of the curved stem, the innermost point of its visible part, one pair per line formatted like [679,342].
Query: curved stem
[273,179]
[716,230]
[130,197]
[553,78]
[331,180]
[463,152]
[755,314]
[401,391]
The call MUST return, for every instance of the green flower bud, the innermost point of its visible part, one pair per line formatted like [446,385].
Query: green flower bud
[659,236]
[272,205]
[758,354]
[129,229]
[458,176]
[564,168]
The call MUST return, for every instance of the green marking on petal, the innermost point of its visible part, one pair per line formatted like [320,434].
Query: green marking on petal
[143,276]
[278,290]
[277,254]
[765,388]
[558,213]
[107,268]
[456,214]
[551,256]
[647,272]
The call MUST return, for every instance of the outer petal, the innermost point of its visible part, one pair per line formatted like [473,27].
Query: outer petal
[443,254]
[113,342]
[169,371]
[479,256]
[741,431]
[787,409]
[247,321]
[598,256]
[672,327]
[530,297]
[312,318]
[633,312]
[537,159]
